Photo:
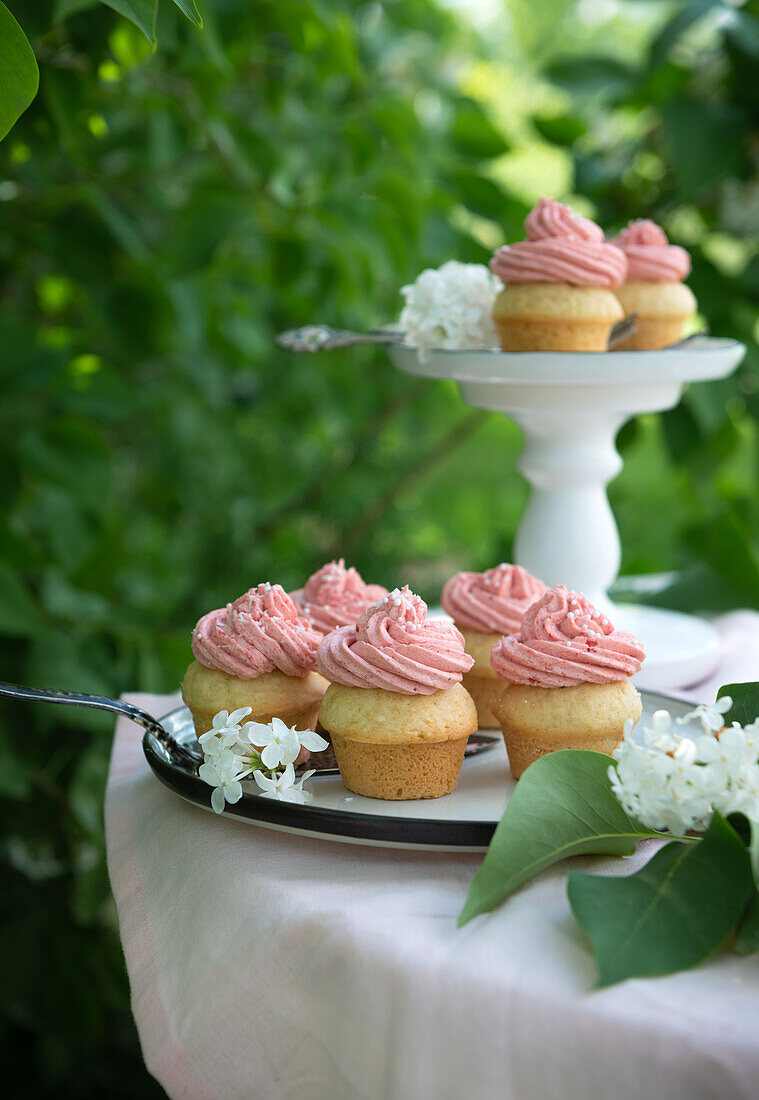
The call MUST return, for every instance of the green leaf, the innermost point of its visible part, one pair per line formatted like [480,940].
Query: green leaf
[563,130]
[140,12]
[15,773]
[62,9]
[121,226]
[474,135]
[189,8]
[594,76]
[60,661]
[19,75]
[726,544]
[741,40]
[683,19]
[562,806]
[19,616]
[747,935]
[72,454]
[704,141]
[478,193]
[87,789]
[67,532]
[670,915]
[745,708]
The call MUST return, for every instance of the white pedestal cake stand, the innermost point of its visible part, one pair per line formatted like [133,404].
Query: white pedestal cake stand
[570,406]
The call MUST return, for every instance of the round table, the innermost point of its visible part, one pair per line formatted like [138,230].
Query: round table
[267,966]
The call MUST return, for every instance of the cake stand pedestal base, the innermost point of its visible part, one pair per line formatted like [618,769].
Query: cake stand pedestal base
[570,406]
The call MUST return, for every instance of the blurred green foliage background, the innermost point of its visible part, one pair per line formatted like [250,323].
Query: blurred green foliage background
[163,213]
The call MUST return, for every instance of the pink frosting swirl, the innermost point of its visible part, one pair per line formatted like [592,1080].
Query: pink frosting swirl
[335,596]
[562,247]
[395,646]
[493,601]
[650,256]
[565,641]
[259,632]
[554,219]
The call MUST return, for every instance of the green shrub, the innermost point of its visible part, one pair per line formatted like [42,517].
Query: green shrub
[162,216]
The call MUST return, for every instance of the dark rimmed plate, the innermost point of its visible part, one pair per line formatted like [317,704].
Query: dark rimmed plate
[461,821]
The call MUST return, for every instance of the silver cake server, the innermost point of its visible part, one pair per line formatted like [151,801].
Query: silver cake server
[311,338]
[325,338]
[181,753]
[186,754]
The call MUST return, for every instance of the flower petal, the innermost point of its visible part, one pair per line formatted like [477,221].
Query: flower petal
[257,733]
[279,729]
[233,791]
[237,715]
[289,748]
[311,740]
[209,774]
[271,756]
[292,794]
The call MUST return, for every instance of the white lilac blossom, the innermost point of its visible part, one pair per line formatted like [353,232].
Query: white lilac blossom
[451,307]
[284,786]
[224,731]
[711,716]
[279,744]
[232,752]
[674,779]
[223,773]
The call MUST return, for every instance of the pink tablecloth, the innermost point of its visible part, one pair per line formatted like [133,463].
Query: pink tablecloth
[264,966]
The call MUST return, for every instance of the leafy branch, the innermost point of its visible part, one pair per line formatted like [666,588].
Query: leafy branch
[19,73]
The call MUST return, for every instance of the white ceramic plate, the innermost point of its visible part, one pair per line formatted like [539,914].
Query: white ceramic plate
[463,821]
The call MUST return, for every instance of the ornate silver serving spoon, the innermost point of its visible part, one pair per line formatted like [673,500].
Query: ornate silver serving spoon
[180,753]
[325,338]
[312,338]
[187,756]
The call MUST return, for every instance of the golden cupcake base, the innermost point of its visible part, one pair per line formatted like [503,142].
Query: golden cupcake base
[662,310]
[536,720]
[394,746]
[295,700]
[484,691]
[555,317]
[399,772]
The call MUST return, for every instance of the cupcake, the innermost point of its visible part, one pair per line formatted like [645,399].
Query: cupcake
[335,596]
[559,284]
[654,288]
[396,711]
[566,679]
[484,606]
[257,652]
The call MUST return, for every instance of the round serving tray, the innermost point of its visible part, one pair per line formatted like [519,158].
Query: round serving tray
[463,821]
